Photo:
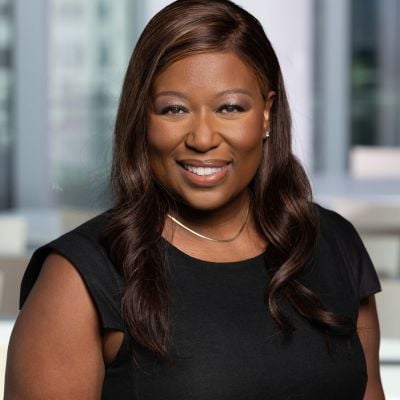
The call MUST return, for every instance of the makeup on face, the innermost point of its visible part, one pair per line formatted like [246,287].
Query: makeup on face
[206,124]
[227,103]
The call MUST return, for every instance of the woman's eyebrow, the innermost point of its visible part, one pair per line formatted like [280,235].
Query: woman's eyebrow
[170,93]
[234,91]
[219,94]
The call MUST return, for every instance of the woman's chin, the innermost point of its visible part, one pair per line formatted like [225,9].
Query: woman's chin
[209,202]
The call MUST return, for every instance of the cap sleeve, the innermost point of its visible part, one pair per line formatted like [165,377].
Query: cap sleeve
[368,281]
[91,261]
[358,264]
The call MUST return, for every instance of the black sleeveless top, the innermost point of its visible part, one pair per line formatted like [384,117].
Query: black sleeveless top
[225,345]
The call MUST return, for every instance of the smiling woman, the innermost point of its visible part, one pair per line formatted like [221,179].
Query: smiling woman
[214,275]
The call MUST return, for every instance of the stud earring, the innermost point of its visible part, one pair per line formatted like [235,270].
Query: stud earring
[266,136]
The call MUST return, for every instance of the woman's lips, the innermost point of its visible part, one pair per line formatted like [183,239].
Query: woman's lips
[205,174]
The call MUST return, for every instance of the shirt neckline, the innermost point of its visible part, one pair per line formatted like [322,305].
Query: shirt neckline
[198,261]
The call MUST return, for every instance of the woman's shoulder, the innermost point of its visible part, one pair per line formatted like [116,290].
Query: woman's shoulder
[332,222]
[340,239]
[87,240]
[338,233]
[83,247]
[93,229]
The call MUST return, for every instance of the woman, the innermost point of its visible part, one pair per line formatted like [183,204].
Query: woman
[214,276]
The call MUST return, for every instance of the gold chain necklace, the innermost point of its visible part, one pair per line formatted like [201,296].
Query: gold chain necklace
[206,237]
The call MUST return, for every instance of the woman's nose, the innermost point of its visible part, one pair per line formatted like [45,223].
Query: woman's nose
[203,135]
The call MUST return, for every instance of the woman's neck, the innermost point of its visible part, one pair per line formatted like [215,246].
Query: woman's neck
[222,222]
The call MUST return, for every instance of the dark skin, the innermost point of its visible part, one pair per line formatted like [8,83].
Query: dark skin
[58,311]
[57,349]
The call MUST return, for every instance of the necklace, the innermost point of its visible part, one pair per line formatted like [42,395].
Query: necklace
[206,237]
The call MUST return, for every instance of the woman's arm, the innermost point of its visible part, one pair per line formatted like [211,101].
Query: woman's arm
[368,331]
[55,349]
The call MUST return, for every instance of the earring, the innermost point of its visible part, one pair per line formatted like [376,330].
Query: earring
[266,136]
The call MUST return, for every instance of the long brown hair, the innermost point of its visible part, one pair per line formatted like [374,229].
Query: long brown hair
[282,203]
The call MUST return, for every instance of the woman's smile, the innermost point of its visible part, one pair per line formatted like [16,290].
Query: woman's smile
[205,174]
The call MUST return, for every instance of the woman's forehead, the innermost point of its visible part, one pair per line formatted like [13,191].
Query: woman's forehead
[221,71]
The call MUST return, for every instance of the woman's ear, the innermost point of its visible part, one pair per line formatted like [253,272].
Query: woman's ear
[267,109]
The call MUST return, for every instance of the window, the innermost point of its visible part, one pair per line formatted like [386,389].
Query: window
[357,96]
[6,44]
[70,64]
[375,73]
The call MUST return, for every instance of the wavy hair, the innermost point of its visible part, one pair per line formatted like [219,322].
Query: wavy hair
[281,202]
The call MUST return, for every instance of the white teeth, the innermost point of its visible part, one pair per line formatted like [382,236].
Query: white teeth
[201,170]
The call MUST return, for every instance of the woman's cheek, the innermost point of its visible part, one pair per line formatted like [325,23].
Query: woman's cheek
[164,135]
[247,136]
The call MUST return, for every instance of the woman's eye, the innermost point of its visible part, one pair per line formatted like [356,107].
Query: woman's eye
[173,110]
[231,108]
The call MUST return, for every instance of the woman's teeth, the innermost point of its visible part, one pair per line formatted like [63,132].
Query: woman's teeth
[202,171]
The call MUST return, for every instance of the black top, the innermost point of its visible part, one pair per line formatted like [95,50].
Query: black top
[225,343]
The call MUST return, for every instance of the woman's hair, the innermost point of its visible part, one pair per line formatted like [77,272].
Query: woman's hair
[281,195]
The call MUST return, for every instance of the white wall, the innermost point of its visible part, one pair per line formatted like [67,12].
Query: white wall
[289,26]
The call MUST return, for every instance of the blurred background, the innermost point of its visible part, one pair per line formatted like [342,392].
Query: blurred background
[61,67]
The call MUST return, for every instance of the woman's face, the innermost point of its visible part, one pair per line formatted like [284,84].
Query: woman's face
[206,124]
